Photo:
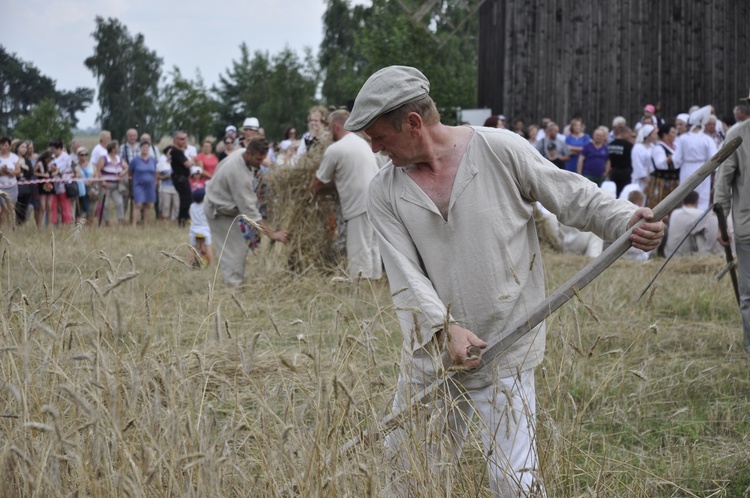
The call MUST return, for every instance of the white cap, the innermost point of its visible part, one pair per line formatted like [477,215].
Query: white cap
[195,169]
[645,131]
[230,128]
[251,123]
[700,117]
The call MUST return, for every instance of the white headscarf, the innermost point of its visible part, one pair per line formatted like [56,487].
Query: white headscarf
[700,117]
[644,132]
[684,117]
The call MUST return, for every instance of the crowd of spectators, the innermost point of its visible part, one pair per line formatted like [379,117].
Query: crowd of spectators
[138,183]
[651,158]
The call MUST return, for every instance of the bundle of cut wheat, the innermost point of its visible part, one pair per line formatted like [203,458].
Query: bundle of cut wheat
[310,219]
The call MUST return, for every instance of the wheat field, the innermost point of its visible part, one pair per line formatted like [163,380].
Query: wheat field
[126,372]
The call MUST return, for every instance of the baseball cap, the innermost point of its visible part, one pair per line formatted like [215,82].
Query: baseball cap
[230,128]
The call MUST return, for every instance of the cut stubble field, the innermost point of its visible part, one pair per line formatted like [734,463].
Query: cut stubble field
[125,372]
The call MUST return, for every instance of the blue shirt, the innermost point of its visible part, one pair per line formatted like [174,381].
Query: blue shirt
[143,171]
[572,164]
[595,162]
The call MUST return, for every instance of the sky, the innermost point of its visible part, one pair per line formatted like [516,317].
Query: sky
[55,35]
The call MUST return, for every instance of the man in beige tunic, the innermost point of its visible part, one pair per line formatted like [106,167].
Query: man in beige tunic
[454,218]
[733,191]
[231,192]
[348,166]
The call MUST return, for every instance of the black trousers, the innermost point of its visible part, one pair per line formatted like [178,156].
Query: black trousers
[182,185]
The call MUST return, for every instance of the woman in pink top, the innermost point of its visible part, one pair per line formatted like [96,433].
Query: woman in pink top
[207,160]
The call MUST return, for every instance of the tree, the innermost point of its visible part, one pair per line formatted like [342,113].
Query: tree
[235,91]
[291,93]
[44,124]
[71,103]
[440,41]
[23,87]
[128,74]
[187,105]
[277,91]
[340,61]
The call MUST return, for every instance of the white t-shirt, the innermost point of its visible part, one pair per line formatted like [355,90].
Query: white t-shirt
[199,222]
[352,165]
[8,164]
[164,173]
[96,154]
[64,165]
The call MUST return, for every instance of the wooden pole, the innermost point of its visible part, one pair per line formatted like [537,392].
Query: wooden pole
[727,249]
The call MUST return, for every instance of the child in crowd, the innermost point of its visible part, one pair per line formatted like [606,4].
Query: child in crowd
[200,233]
[197,180]
[554,157]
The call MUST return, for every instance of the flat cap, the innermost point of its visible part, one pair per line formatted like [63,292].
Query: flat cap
[384,91]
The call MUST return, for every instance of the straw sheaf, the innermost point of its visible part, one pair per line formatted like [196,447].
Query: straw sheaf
[309,218]
[12,212]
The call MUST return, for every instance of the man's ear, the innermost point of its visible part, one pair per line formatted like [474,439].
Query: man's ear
[414,122]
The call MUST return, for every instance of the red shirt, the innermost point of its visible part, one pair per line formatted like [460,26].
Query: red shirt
[209,162]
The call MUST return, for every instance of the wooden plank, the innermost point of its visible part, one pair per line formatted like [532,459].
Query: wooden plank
[557,57]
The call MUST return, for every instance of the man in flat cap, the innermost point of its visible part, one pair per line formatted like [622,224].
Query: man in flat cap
[454,217]
[733,191]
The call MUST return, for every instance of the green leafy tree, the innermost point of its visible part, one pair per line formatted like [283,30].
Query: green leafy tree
[187,105]
[278,91]
[128,74]
[23,87]
[71,103]
[441,42]
[43,124]
[292,95]
[340,61]
[237,96]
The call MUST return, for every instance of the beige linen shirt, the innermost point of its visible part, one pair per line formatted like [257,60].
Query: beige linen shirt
[732,185]
[351,164]
[231,191]
[484,262]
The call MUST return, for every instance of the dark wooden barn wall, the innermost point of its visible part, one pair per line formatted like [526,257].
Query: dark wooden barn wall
[604,58]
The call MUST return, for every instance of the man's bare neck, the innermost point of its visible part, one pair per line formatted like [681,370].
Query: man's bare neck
[436,175]
[445,148]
